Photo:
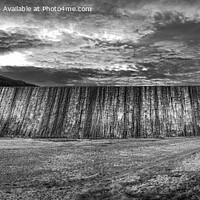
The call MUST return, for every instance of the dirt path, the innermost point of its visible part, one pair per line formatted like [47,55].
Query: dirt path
[157,162]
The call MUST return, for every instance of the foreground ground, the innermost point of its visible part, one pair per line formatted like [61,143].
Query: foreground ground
[104,169]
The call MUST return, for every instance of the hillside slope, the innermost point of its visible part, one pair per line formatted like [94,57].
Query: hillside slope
[7,82]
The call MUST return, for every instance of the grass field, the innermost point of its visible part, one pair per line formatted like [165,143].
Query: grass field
[101,169]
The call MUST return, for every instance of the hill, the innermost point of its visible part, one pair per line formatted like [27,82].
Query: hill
[7,82]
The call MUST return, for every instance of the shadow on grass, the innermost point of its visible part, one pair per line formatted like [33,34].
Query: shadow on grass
[190,190]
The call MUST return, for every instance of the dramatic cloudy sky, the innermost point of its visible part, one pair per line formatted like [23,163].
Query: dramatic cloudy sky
[121,42]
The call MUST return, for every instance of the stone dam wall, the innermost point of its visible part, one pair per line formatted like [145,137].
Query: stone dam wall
[100,112]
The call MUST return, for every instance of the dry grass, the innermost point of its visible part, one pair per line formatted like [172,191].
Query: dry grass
[103,169]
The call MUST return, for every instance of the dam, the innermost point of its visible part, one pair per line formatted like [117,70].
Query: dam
[99,112]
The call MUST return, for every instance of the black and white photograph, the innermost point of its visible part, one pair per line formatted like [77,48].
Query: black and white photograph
[99,100]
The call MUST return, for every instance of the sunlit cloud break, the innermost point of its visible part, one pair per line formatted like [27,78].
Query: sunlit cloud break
[15,59]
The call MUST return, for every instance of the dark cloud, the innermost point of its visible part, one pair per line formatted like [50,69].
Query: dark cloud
[40,76]
[167,71]
[10,41]
[129,40]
